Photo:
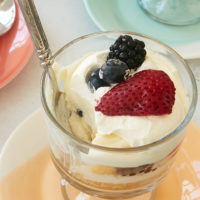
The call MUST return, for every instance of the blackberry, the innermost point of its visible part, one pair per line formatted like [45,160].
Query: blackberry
[129,50]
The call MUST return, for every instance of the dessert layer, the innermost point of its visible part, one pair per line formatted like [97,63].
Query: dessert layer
[117,131]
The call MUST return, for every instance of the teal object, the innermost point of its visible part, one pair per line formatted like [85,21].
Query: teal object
[174,12]
[127,15]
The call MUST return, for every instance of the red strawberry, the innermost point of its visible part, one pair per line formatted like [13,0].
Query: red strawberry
[148,92]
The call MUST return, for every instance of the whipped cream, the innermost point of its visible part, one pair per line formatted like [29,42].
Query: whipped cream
[117,131]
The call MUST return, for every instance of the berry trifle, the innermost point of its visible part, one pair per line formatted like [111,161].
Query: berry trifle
[125,103]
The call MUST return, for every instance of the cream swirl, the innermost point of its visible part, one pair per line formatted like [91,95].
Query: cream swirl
[119,131]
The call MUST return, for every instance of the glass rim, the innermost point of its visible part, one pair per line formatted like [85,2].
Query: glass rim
[128,149]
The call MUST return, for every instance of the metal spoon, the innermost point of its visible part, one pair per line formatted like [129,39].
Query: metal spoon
[7,15]
[44,53]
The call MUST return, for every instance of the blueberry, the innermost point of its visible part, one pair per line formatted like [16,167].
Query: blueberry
[95,72]
[113,71]
[94,82]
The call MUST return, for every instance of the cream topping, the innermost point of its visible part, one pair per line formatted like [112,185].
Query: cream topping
[133,130]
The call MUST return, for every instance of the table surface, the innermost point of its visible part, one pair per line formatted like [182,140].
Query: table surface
[21,97]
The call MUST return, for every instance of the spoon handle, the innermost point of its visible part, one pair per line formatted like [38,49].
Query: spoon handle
[41,43]
[37,33]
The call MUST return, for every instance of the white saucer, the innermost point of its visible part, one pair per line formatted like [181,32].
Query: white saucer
[28,139]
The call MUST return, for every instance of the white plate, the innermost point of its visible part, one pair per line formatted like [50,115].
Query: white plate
[28,139]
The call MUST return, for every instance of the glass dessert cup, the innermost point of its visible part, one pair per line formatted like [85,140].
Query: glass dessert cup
[172,12]
[114,173]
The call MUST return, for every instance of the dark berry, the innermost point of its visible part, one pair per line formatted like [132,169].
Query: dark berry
[131,44]
[95,73]
[142,44]
[139,59]
[119,39]
[124,39]
[117,52]
[116,45]
[136,41]
[111,54]
[131,53]
[94,82]
[131,62]
[123,56]
[128,37]
[129,50]
[138,48]
[123,47]
[142,52]
[112,48]
[79,112]
[113,71]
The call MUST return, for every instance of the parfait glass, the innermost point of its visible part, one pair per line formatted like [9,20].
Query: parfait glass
[113,173]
